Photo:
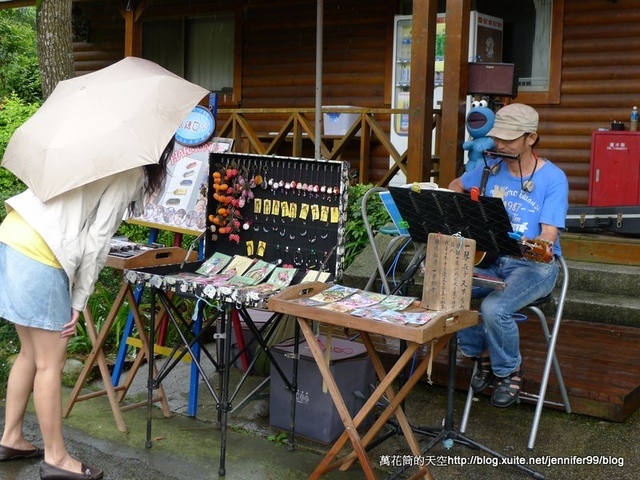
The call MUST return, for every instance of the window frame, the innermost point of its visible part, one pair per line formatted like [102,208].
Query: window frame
[552,94]
[236,97]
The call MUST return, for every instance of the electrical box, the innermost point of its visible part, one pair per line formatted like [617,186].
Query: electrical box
[615,169]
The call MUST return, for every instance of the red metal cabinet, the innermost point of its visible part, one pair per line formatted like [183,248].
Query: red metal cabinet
[615,169]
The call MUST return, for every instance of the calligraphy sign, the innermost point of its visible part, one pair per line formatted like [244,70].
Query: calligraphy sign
[448,274]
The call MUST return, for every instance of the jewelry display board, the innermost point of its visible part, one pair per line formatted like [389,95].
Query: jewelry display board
[442,211]
[283,210]
[282,214]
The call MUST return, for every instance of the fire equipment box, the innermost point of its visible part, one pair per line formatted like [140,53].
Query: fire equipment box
[316,416]
[615,169]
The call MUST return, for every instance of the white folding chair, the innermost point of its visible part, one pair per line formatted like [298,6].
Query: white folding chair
[551,359]
[396,240]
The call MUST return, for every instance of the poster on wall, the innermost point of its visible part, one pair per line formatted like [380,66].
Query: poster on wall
[181,204]
[488,38]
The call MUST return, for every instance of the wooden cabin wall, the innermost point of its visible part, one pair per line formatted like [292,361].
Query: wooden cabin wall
[600,65]
[279,59]
[105,42]
[279,56]
[279,52]
[600,83]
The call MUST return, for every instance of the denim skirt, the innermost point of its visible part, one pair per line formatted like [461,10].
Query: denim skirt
[33,294]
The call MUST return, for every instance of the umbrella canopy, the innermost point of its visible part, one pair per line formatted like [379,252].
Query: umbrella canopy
[99,124]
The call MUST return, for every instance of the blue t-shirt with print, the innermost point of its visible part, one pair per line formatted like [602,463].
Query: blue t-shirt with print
[547,203]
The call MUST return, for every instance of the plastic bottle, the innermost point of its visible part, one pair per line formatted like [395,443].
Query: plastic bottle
[404,119]
[405,52]
[405,74]
[633,125]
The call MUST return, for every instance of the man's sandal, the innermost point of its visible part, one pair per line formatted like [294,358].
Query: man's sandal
[483,376]
[508,389]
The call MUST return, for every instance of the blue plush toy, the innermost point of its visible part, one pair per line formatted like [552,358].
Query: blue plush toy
[479,121]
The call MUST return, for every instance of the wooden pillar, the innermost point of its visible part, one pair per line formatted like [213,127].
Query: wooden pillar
[423,51]
[133,30]
[454,93]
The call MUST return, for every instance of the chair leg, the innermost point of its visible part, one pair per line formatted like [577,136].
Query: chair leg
[380,261]
[468,403]
[549,337]
[556,365]
[551,359]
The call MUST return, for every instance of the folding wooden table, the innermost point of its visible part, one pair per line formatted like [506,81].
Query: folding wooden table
[136,259]
[447,294]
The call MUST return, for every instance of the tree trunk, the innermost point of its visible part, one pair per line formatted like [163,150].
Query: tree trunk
[54,43]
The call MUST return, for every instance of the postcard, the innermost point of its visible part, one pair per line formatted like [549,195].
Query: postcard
[219,279]
[282,276]
[417,318]
[263,288]
[186,277]
[307,302]
[337,307]
[214,264]
[393,317]
[334,293]
[374,312]
[359,299]
[396,302]
[259,271]
[238,265]
[315,276]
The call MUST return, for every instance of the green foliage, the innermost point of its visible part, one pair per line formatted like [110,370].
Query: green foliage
[99,305]
[9,346]
[13,113]
[356,233]
[20,92]
[19,71]
[279,439]
[140,234]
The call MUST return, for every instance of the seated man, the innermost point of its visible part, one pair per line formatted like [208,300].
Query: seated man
[537,211]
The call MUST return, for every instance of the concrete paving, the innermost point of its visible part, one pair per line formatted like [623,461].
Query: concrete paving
[186,448]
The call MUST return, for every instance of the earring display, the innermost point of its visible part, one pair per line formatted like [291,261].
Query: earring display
[288,209]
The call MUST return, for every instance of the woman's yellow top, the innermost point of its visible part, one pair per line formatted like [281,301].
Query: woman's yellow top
[20,236]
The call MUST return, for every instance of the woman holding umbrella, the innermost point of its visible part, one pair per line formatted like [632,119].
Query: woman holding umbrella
[89,151]
[42,245]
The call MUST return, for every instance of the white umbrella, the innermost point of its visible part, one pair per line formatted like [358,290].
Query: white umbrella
[99,124]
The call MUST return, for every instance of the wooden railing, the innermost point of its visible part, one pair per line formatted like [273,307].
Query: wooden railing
[291,132]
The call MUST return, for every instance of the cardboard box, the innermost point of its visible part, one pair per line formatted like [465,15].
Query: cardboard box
[337,122]
[316,416]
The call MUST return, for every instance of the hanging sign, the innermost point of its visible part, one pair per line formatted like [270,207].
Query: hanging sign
[197,128]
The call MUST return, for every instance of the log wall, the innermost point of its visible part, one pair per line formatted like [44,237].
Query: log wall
[600,65]
[105,42]
[600,83]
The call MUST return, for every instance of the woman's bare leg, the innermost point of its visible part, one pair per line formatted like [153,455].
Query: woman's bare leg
[19,388]
[49,352]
